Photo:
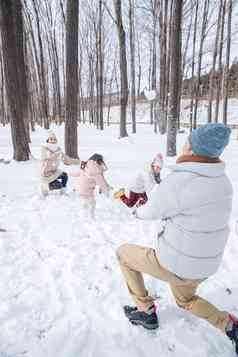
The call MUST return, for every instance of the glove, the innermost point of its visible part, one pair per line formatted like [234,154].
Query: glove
[118,194]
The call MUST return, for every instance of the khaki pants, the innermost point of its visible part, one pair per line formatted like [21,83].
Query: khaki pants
[135,260]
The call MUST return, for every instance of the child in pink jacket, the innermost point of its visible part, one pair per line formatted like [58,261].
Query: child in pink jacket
[91,175]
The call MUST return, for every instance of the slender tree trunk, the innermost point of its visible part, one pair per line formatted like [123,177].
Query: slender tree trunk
[11,26]
[163,18]
[150,82]
[168,51]
[80,98]
[123,68]
[193,80]
[72,85]
[153,81]
[35,72]
[203,35]
[226,69]
[132,50]
[56,73]
[113,75]
[219,74]
[100,64]
[139,68]
[43,84]
[97,112]
[213,70]
[2,117]
[187,39]
[175,76]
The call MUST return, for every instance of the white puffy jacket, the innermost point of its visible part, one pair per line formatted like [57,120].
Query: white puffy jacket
[195,203]
[143,181]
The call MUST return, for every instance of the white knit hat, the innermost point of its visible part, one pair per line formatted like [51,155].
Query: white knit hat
[158,160]
[50,134]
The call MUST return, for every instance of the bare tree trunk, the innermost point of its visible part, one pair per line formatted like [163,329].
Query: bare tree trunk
[150,82]
[123,68]
[63,65]
[153,81]
[2,115]
[219,74]
[226,69]
[80,97]
[11,25]
[203,35]
[155,11]
[175,76]
[25,73]
[71,110]
[91,91]
[100,64]
[193,80]
[42,70]
[97,81]
[168,51]
[163,18]
[113,75]
[139,68]
[187,39]
[56,73]
[213,70]
[132,50]
[62,10]
[35,72]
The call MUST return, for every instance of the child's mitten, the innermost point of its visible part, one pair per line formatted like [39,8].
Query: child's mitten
[118,194]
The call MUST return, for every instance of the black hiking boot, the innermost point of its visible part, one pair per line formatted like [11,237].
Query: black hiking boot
[148,320]
[232,331]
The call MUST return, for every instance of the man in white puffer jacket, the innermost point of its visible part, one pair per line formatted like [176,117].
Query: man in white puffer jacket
[194,202]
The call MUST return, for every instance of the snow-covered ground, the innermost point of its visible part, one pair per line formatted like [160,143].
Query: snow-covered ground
[61,290]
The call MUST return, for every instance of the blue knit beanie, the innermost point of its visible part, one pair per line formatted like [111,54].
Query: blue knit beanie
[210,139]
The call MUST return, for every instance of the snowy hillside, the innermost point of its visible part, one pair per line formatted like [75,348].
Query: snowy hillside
[61,288]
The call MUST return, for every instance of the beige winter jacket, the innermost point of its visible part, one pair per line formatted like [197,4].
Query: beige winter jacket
[50,161]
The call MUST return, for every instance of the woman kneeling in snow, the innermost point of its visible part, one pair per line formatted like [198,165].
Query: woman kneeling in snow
[89,176]
[143,183]
[51,155]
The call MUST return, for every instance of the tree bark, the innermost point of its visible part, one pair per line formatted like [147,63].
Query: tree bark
[219,74]
[43,85]
[123,68]
[71,107]
[213,70]
[175,76]
[203,36]
[163,20]
[100,68]
[132,50]
[11,25]
[226,69]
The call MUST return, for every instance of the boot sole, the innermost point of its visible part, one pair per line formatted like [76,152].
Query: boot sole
[146,326]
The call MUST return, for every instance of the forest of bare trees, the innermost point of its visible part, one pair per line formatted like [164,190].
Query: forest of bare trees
[71,61]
